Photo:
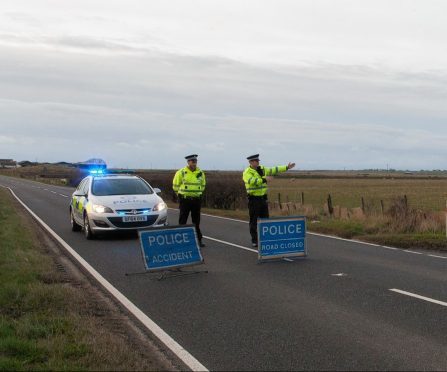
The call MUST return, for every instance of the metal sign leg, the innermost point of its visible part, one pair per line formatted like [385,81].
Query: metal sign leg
[179,272]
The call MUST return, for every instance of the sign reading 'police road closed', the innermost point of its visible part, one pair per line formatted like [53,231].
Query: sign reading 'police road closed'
[281,237]
[169,248]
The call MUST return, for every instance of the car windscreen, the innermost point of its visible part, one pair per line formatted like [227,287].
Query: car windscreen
[123,186]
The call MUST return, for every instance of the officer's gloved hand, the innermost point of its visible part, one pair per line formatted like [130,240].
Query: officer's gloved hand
[264,180]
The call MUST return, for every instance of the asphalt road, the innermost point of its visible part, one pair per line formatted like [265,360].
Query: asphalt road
[333,310]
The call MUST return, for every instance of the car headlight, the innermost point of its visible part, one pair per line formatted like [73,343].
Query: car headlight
[160,207]
[101,209]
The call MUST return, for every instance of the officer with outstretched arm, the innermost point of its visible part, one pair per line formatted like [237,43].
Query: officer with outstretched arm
[189,185]
[256,185]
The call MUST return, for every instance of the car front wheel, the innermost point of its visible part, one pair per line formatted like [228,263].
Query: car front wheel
[87,229]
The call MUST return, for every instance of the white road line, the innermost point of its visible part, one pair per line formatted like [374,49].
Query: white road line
[232,244]
[419,297]
[351,240]
[433,255]
[223,218]
[65,196]
[333,237]
[241,247]
[170,343]
[392,248]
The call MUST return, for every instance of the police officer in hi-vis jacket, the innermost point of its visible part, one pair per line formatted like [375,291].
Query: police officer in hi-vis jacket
[256,185]
[189,185]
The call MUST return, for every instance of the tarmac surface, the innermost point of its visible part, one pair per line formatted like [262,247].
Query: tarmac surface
[347,306]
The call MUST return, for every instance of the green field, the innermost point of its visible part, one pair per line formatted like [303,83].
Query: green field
[425,194]
[424,190]
[403,209]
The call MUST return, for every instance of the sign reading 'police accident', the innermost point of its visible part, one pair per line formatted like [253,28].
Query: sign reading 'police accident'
[281,237]
[168,248]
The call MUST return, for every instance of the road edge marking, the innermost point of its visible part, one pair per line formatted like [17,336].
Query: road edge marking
[167,340]
[428,299]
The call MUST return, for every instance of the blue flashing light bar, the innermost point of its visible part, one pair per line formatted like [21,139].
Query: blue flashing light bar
[97,171]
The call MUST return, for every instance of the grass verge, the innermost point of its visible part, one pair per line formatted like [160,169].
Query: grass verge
[360,230]
[49,321]
[424,240]
[364,230]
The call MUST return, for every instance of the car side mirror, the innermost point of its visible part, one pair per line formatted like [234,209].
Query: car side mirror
[157,190]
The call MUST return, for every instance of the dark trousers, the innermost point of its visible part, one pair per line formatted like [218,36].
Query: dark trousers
[187,205]
[257,208]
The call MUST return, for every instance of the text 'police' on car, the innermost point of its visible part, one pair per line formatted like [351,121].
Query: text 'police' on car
[109,202]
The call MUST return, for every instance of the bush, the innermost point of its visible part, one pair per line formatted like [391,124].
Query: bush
[223,191]
[403,219]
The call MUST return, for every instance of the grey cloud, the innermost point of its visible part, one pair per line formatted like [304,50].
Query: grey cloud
[23,18]
[136,110]
[7,140]
[88,43]
[79,43]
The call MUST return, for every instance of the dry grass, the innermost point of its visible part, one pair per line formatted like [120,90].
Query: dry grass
[426,194]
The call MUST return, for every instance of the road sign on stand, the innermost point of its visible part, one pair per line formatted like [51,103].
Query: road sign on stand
[281,237]
[170,247]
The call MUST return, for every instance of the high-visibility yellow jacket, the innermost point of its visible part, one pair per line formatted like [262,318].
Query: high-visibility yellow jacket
[189,183]
[255,181]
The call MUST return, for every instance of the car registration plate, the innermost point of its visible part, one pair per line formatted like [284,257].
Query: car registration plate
[134,218]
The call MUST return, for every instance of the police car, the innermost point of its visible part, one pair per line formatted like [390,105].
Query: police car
[109,202]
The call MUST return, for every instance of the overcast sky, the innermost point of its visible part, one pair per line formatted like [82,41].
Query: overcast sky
[328,84]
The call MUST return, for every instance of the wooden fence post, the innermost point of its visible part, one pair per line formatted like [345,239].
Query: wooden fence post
[382,207]
[302,198]
[279,200]
[363,205]
[329,205]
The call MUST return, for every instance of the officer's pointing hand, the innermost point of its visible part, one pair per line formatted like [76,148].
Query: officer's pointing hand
[291,165]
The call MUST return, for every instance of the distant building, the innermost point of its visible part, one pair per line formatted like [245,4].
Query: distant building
[8,163]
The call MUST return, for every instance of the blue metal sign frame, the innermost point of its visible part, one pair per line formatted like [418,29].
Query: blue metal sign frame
[170,247]
[282,237]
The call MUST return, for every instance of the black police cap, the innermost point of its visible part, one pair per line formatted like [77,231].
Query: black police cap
[253,157]
[191,157]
